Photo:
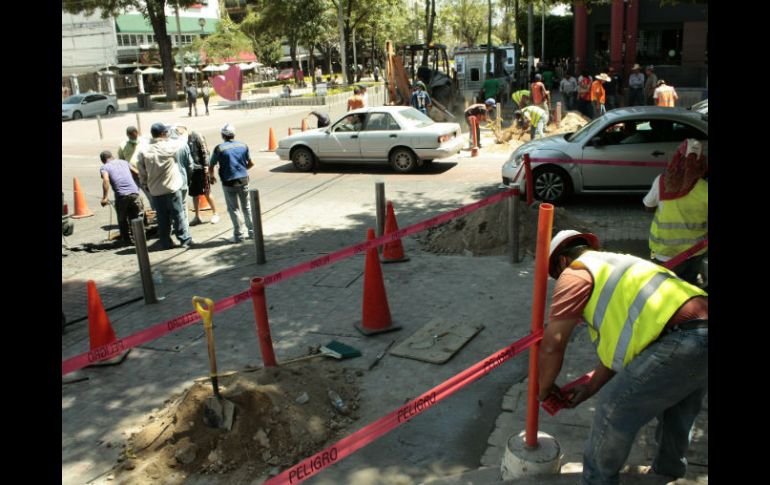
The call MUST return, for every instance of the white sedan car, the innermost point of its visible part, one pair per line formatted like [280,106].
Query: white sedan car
[400,135]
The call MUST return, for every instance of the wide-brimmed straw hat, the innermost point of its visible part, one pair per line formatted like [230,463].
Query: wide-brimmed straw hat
[604,77]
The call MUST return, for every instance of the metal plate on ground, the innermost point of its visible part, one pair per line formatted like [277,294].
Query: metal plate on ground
[437,341]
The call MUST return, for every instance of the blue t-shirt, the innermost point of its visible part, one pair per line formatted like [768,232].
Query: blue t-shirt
[420,100]
[233,157]
[121,180]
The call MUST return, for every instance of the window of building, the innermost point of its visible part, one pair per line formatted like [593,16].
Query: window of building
[661,45]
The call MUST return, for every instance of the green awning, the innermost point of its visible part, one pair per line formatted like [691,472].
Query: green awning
[137,24]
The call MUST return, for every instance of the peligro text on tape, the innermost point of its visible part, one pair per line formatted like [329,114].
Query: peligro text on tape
[371,432]
[143,336]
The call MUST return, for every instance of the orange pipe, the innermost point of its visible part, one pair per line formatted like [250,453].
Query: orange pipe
[263,326]
[544,226]
[530,182]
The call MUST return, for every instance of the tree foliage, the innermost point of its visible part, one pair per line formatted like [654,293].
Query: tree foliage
[466,18]
[227,41]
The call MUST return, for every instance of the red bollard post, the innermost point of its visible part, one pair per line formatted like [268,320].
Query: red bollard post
[263,326]
[474,123]
[530,182]
[544,227]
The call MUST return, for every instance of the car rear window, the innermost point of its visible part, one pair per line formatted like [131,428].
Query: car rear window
[73,99]
[415,119]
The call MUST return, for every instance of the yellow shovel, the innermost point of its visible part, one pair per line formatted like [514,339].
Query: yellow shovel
[219,412]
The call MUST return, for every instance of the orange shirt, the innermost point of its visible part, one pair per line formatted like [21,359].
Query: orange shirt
[597,91]
[355,102]
[538,92]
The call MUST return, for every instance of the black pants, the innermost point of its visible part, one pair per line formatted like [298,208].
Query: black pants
[206,103]
[128,207]
[688,270]
[192,103]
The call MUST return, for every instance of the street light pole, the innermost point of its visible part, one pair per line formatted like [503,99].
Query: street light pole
[179,49]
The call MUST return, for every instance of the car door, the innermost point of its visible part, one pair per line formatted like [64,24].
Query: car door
[380,134]
[95,104]
[341,142]
[626,155]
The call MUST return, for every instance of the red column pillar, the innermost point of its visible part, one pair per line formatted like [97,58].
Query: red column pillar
[616,36]
[581,22]
[632,26]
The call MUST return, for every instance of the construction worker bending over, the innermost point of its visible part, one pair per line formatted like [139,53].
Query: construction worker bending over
[680,200]
[478,113]
[521,98]
[531,117]
[650,329]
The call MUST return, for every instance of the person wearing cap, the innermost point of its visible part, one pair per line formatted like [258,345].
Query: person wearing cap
[636,87]
[650,83]
[128,150]
[650,329]
[198,180]
[680,199]
[234,163]
[664,95]
[160,171]
[420,99]
[540,95]
[532,118]
[118,174]
[478,112]
[598,94]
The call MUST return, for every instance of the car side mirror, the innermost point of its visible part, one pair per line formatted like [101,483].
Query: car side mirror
[83,102]
[597,141]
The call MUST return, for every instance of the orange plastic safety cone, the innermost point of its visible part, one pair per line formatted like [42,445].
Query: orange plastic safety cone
[375,311]
[304,124]
[393,252]
[271,143]
[99,328]
[203,203]
[81,208]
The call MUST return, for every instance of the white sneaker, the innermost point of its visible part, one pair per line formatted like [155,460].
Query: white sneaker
[214,219]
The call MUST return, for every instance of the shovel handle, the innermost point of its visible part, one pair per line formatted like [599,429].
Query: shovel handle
[205,313]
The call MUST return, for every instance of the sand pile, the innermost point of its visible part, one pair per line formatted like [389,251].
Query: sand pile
[570,122]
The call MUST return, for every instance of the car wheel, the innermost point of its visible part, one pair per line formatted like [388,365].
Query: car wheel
[403,160]
[77,115]
[552,184]
[110,110]
[302,158]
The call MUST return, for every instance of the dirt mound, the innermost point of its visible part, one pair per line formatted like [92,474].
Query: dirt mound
[514,137]
[485,232]
[274,427]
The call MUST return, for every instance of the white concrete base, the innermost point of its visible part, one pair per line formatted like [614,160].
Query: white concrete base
[520,461]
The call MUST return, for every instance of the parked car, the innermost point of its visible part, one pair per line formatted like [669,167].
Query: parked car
[701,107]
[88,104]
[67,225]
[285,75]
[400,135]
[643,138]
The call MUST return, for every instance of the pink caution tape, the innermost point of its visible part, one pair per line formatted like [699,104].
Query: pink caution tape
[553,404]
[348,445]
[115,348]
[679,258]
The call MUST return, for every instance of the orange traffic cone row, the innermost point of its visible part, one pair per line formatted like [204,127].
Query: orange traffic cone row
[393,252]
[81,208]
[375,311]
[203,203]
[304,124]
[271,143]
[99,327]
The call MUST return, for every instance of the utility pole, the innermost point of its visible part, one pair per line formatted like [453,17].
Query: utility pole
[530,40]
[179,48]
[542,35]
[489,40]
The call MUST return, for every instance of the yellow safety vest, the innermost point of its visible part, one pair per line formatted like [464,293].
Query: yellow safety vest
[681,223]
[631,302]
[534,114]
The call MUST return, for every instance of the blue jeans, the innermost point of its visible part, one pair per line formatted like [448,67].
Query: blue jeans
[668,380]
[170,209]
[234,195]
[536,131]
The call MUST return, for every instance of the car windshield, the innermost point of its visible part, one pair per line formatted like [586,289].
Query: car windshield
[415,119]
[73,99]
[583,132]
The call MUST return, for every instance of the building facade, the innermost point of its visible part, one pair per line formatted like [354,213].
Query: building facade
[87,43]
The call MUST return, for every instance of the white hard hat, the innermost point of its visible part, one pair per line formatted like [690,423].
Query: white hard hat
[563,238]
[228,130]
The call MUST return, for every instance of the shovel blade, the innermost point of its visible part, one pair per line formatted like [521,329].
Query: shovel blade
[218,413]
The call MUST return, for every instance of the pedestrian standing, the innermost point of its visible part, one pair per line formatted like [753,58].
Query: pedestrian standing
[490,88]
[158,164]
[598,94]
[198,181]
[664,95]
[584,95]
[613,89]
[192,99]
[650,329]
[364,95]
[318,75]
[117,174]
[636,87]
[206,90]
[680,200]
[650,83]
[568,89]
[234,163]
[420,99]
[541,97]
[355,101]
[128,150]
[376,73]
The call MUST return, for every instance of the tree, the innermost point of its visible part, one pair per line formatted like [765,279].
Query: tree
[430,19]
[466,18]
[227,41]
[154,11]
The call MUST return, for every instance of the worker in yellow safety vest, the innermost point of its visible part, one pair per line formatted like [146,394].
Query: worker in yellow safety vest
[650,329]
[533,118]
[680,199]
